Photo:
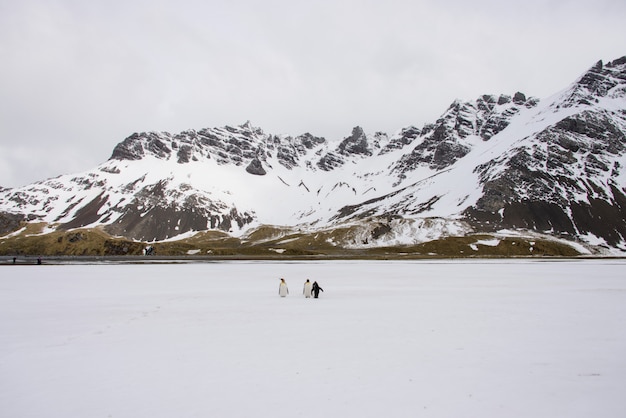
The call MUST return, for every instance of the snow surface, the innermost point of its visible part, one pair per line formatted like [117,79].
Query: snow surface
[521,338]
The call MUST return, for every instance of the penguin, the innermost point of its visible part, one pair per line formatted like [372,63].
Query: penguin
[282,288]
[316,290]
[307,289]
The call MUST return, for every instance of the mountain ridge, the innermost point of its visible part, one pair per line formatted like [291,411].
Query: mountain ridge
[500,162]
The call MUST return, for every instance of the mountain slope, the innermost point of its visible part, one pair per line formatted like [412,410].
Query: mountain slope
[556,168]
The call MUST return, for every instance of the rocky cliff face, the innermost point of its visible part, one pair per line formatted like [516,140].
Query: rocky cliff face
[499,162]
[567,178]
[464,123]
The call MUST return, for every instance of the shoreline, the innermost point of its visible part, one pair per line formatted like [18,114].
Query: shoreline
[140,259]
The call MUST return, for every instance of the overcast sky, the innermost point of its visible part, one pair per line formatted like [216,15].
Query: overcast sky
[77,77]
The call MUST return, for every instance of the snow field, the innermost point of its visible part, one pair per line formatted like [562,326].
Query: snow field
[400,339]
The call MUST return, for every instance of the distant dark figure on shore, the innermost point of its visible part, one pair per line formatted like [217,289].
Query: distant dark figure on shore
[316,290]
[38,260]
[14,260]
[149,250]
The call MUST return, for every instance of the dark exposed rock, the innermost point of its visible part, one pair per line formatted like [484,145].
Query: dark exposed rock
[519,98]
[10,221]
[599,81]
[605,219]
[330,161]
[88,214]
[287,157]
[407,136]
[129,149]
[443,142]
[356,143]
[184,154]
[504,99]
[309,141]
[617,62]
[291,150]
[137,145]
[255,167]
[159,222]
[562,186]
[158,148]
[438,151]
[380,230]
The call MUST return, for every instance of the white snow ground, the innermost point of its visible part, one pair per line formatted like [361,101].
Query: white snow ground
[386,339]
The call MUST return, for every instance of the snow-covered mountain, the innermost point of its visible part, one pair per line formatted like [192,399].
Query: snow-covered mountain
[498,163]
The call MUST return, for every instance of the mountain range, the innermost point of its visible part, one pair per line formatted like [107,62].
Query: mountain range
[499,168]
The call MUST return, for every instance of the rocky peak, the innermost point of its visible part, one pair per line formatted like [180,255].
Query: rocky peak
[138,145]
[519,98]
[289,150]
[405,137]
[236,145]
[453,135]
[599,81]
[357,143]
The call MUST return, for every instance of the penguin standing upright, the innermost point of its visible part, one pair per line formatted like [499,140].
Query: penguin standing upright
[307,289]
[316,290]
[282,288]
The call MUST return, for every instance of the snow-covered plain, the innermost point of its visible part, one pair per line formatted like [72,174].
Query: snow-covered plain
[498,338]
